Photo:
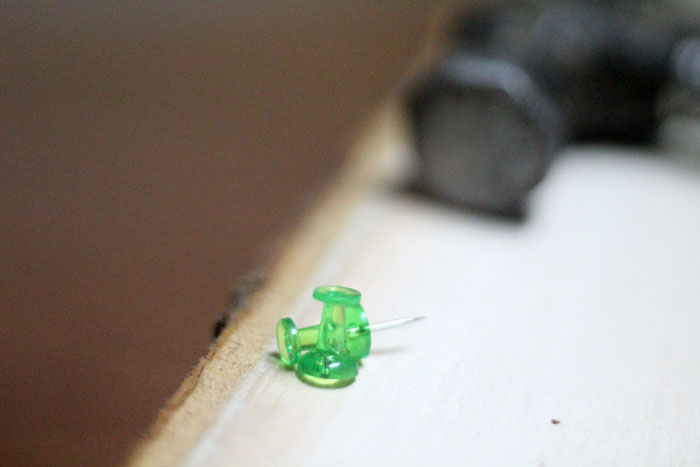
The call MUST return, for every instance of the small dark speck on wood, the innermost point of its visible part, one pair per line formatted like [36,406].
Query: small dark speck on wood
[239,298]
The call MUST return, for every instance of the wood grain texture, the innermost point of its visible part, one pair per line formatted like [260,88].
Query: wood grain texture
[570,339]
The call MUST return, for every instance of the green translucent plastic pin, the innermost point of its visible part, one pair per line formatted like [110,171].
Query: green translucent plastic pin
[337,344]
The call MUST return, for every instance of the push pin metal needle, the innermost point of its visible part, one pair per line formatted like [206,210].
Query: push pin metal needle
[392,323]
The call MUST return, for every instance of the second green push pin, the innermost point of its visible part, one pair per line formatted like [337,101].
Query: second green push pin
[337,344]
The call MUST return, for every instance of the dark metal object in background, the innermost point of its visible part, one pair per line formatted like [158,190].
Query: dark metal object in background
[522,82]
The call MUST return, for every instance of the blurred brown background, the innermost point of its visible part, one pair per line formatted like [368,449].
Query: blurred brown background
[148,151]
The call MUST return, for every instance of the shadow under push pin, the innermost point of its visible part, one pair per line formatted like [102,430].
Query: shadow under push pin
[342,338]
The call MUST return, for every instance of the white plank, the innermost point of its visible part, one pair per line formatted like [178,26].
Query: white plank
[588,313]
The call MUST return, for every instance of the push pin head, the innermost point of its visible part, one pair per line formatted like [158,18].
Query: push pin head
[337,295]
[349,336]
[289,342]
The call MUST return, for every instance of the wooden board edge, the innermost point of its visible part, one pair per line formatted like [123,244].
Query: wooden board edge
[244,340]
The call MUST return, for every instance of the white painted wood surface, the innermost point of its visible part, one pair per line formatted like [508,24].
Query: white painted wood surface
[588,313]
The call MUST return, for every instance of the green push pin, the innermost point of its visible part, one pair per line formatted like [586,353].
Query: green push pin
[342,338]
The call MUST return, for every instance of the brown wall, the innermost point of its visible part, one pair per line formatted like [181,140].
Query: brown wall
[148,151]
